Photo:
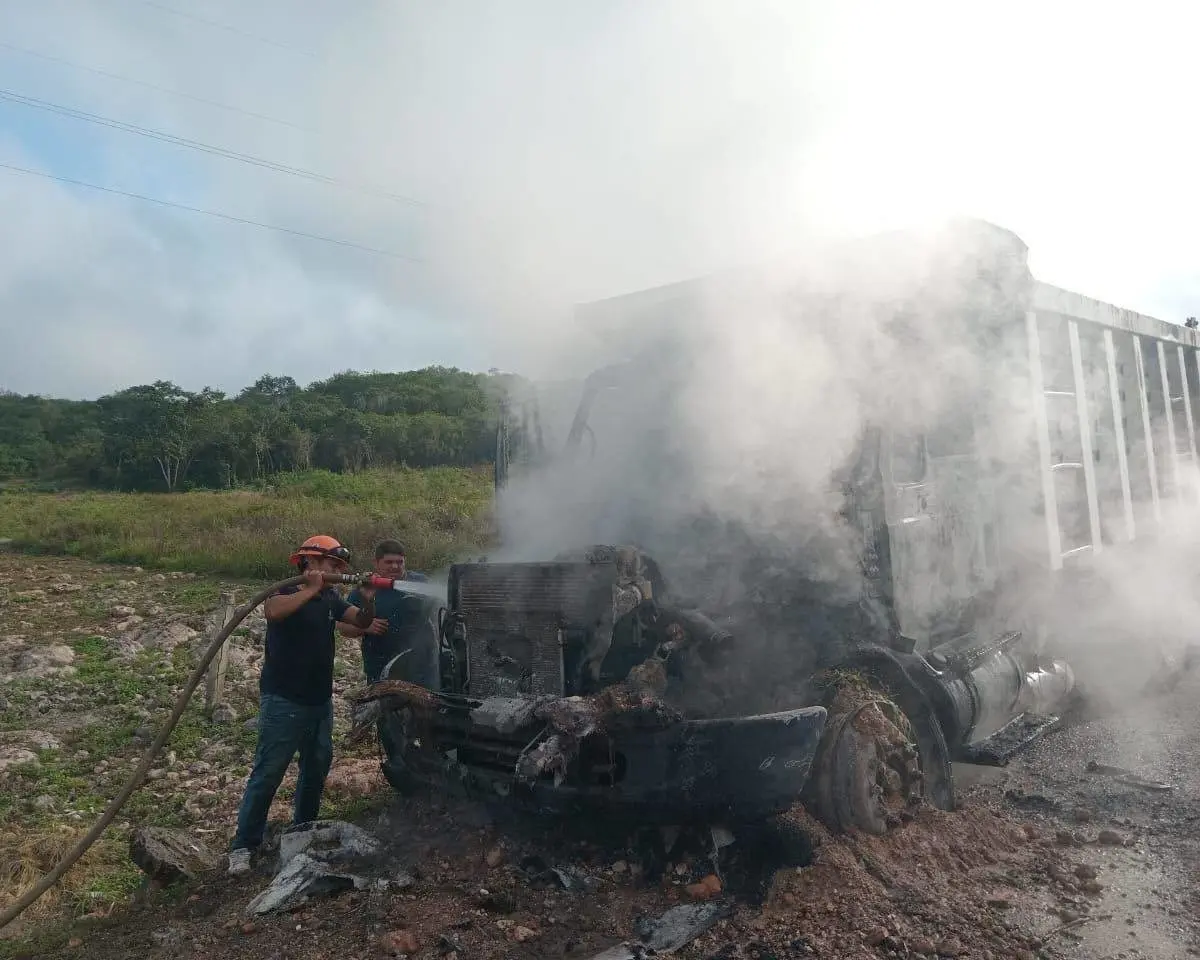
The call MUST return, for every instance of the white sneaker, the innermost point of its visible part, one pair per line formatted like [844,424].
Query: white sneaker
[239,861]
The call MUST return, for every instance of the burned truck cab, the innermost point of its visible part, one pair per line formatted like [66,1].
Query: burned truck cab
[562,694]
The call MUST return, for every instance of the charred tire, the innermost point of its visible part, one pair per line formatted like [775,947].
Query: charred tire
[843,798]
[886,672]
[393,740]
[399,777]
[845,777]
[843,790]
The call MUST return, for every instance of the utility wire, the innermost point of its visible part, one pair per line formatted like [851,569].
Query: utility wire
[65,111]
[224,26]
[207,213]
[149,86]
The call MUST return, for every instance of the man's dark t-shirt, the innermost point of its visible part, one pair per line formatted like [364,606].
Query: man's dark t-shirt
[298,665]
[407,616]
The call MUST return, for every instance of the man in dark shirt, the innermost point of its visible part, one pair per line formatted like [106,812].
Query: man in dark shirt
[296,692]
[402,628]
[400,636]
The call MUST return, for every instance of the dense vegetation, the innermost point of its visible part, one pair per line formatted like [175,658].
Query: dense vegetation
[159,437]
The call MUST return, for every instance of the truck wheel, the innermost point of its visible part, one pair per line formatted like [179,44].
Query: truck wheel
[399,777]
[882,754]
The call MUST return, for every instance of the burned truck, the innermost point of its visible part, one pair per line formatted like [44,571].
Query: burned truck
[1004,435]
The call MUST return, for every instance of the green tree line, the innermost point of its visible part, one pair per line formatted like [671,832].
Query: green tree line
[161,437]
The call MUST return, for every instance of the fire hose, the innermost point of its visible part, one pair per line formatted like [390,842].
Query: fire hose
[139,775]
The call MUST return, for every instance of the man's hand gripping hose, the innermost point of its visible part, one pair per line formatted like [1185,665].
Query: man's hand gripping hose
[143,768]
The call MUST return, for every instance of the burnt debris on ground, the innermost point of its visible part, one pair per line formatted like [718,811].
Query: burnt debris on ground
[1076,876]
[992,879]
[482,882]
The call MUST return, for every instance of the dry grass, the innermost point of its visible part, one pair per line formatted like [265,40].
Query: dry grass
[102,877]
[441,514]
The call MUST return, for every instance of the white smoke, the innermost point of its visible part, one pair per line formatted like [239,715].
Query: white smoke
[747,401]
[722,452]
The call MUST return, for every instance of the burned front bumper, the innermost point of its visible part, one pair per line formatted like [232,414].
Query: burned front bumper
[703,770]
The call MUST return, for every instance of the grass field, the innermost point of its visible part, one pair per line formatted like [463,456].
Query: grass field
[440,514]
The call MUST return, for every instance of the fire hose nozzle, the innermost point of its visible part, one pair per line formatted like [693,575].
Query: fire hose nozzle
[355,579]
[362,580]
[419,588]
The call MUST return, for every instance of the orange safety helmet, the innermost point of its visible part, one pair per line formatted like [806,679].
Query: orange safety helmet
[320,546]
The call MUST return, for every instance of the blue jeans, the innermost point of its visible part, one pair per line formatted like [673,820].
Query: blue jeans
[285,728]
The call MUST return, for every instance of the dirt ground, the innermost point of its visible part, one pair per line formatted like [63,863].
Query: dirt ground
[1043,859]
[945,885]
[1022,870]
[1150,903]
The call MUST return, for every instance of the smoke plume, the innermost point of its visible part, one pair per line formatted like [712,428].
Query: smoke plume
[741,407]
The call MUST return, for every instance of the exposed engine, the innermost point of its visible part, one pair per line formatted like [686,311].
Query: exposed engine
[570,627]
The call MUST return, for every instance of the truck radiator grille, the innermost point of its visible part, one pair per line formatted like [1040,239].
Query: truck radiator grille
[515,617]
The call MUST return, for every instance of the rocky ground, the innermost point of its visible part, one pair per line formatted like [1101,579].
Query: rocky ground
[1045,858]
[1101,787]
[91,661]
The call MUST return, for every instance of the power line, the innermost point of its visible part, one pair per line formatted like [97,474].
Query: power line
[149,86]
[225,26]
[208,213]
[74,114]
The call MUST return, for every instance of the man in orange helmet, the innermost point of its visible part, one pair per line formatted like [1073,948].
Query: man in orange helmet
[296,703]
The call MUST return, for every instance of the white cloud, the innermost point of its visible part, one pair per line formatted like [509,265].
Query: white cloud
[567,152]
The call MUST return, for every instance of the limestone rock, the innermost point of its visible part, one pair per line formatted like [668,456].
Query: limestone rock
[21,660]
[255,624]
[13,756]
[167,637]
[169,855]
[223,713]
[32,739]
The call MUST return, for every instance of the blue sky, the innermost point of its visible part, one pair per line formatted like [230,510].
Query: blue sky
[563,153]
[125,291]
